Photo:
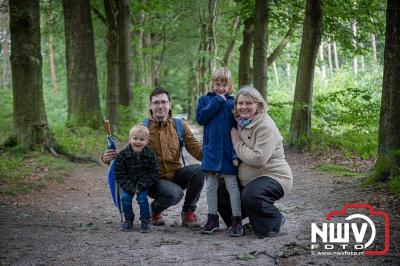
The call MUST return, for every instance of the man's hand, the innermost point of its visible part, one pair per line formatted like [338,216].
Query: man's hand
[108,156]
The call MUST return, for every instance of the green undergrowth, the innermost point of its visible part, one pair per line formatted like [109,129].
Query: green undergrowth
[23,172]
[82,140]
[338,170]
[394,185]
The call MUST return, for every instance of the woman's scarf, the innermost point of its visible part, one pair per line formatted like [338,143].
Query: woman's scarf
[245,122]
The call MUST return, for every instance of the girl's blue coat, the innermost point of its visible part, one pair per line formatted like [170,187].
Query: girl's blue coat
[216,116]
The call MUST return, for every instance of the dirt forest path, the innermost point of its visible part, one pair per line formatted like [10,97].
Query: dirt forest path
[77,224]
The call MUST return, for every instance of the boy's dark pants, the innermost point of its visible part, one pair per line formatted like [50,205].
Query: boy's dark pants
[168,193]
[258,199]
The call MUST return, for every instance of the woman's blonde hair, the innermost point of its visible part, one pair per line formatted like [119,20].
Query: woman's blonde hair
[222,74]
[139,128]
[255,95]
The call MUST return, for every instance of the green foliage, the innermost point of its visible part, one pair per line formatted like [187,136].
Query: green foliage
[338,170]
[6,111]
[350,108]
[22,172]
[394,185]
[81,140]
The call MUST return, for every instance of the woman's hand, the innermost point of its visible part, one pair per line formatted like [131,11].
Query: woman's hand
[235,136]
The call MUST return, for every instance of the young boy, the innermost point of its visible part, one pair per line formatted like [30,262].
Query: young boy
[135,170]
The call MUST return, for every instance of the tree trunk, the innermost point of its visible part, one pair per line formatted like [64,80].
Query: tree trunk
[124,51]
[211,38]
[373,45]
[330,60]
[53,73]
[288,74]
[276,75]
[260,47]
[148,60]
[300,126]
[388,163]
[355,63]
[201,63]
[231,45]
[82,87]
[335,56]
[30,123]
[321,57]
[5,48]
[245,73]
[139,65]
[113,62]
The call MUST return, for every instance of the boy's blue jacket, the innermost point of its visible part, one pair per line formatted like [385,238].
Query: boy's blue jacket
[215,114]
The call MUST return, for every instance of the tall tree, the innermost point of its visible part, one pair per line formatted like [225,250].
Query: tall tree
[124,50]
[82,87]
[388,163]
[260,47]
[5,38]
[245,71]
[113,62]
[53,72]
[30,122]
[322,58]
[138,76]
[300,125]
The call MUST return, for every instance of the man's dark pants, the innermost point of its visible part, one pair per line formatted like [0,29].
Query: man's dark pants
[168,193]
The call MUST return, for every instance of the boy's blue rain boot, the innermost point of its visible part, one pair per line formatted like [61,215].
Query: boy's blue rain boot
[128,224]
[211,225]
[145,226]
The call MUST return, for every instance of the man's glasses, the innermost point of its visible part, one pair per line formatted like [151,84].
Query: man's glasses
[157,103]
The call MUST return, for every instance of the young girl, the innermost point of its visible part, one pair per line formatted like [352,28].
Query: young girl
[214,112]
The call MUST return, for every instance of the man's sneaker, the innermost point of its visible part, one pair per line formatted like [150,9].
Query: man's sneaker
[145,226]
[211,225]
[237,228]
[275,233]
[190,219]
[156,219]
[128,224]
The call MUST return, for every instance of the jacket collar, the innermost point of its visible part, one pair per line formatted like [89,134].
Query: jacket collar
[257,118]
[130,153]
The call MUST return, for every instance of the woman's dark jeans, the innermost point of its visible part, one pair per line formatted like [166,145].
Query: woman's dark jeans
[258,199]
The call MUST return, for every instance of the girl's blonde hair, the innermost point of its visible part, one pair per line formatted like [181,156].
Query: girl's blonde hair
[222,74]
[255,95]
[139,128]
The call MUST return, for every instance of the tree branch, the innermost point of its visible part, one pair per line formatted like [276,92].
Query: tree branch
[99,15]
[279,49]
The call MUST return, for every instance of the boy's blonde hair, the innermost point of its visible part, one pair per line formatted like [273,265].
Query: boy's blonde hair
[139,128]
[222,74]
